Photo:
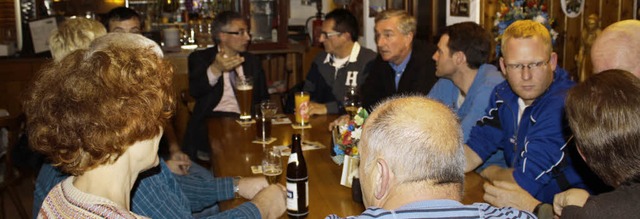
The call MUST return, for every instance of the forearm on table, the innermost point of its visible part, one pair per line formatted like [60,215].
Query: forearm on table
[473,160]
[495,173]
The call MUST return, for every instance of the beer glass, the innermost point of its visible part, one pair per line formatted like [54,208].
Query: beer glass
[302,107]
[244,94]
[272,165]
[351,101]
[268,109]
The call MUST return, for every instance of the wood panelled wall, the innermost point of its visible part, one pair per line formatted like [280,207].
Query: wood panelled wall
[570,29]
[7,16]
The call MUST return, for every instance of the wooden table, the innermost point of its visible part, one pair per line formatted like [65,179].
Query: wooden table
[233,154]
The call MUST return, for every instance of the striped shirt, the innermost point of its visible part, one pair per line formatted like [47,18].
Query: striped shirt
[442,209]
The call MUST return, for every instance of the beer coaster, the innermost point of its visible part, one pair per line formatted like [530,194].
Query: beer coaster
[256,169]
[306,145]
[267,141]
[246,123]
[280,120]
[296,126]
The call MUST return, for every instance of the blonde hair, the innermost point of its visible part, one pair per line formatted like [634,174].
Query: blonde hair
[526,29]
[73,34]
[406,23]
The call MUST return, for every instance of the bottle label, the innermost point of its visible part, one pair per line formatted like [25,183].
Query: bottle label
[292,195]
[293,158]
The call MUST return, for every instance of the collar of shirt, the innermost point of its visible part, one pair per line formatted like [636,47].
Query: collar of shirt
[353,57]
[400,68]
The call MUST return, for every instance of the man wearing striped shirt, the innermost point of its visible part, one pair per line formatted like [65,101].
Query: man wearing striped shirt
[412,164]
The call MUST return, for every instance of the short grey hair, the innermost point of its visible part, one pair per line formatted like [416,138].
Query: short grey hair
[420,139]
[406,23]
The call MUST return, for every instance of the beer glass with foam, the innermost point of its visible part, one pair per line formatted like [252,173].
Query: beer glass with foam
[244,94]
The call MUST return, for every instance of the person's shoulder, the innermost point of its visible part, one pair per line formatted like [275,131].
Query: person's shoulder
[367,53]
[491,76]
[204,52]
[488,211]
[320,57]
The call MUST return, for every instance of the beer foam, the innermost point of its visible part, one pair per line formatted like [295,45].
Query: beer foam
[244,87]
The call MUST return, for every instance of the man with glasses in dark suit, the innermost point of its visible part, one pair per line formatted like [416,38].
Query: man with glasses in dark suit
[211,75]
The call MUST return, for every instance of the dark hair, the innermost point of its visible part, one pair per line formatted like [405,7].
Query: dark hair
[345,22]
[603,114]
[120,14]
[470,39]
[223,19]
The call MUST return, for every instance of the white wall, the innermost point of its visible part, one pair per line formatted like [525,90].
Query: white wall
[367,31]
[300,13]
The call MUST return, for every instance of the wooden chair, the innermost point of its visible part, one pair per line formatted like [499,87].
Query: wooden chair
[11,176]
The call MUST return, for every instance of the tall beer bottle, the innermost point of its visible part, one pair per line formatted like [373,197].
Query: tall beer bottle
[297,181]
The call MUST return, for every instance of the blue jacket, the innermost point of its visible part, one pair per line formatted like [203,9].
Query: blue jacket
[477,99]
[536,147]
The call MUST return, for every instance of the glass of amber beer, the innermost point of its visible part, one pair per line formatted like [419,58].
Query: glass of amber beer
[272,165]
[302,108]
[244,94]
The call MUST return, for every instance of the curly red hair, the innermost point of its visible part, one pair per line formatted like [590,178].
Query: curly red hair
[85,110]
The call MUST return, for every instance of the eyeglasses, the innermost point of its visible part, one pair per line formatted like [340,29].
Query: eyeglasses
[237,33]
[519,68]
[327,35]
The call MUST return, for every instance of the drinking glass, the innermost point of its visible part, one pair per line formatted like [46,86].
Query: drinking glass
[351,101]
[264,113]
[272,165]
[268,109]
[244,94]
[301,100]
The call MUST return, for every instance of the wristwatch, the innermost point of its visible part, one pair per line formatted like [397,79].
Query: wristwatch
[236,188]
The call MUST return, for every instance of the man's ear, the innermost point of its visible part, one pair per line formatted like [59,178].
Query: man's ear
[460,58]
[382,179]
[502,67]
[553,60]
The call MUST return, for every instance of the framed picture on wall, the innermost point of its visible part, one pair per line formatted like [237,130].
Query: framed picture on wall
[459,8]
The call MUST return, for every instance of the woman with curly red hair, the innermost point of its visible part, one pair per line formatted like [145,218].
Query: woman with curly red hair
[98,114]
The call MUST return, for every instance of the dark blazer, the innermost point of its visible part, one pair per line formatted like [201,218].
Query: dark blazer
[418,77]
[207,97]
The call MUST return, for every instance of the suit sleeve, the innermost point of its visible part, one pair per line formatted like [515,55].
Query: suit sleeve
[198,80]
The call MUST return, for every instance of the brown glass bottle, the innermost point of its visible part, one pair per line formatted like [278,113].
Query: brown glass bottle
[297,181]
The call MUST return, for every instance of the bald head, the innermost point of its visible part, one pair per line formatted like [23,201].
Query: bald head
[419,138]
[618,47]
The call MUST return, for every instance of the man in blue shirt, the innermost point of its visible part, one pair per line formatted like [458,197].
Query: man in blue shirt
[525,118]
[466,80]
[412,164]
